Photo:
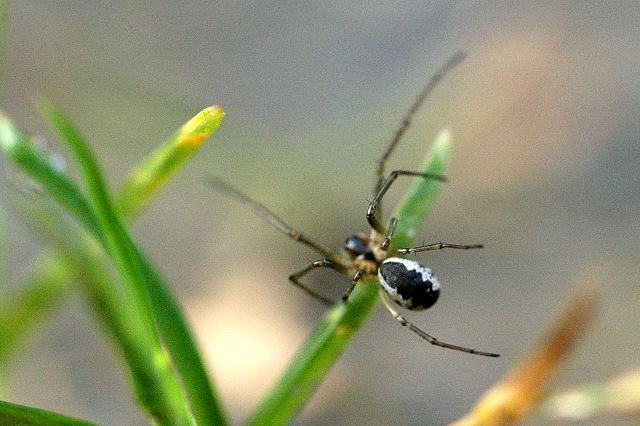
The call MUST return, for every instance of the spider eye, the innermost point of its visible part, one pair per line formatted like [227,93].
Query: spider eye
[408,283]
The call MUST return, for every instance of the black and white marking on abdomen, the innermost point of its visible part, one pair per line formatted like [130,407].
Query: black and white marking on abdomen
[408,283]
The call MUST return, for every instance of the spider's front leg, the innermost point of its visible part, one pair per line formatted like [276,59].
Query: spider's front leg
[266,214]
[437,246]
[356,277]
[322,263]
[371,212]
[410,115]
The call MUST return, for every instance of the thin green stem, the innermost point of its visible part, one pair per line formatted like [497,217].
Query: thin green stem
[329,339]
[152,173]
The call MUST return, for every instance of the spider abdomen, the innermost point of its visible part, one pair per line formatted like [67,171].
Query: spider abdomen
[408,283]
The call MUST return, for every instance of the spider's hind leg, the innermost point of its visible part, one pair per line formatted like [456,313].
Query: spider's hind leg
[404,322]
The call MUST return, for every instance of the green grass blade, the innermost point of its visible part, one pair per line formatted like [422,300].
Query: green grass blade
[329,339]
[19,150]
[19,415]
[158,167]
[146,283]
[316,357]
[118,241]
[177,337]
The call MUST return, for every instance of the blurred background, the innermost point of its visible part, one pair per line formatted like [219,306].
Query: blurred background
[545,114]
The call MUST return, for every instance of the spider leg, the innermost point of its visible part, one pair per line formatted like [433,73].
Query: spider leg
[393,222]
[408,118]
[270,217]
[438,246]
[388,303]
[322,263]
[371,212]
[356,277]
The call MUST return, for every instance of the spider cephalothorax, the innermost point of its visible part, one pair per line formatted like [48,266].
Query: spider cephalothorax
[357,247]
[403,281]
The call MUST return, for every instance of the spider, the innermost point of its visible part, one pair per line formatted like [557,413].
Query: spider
[403,281]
